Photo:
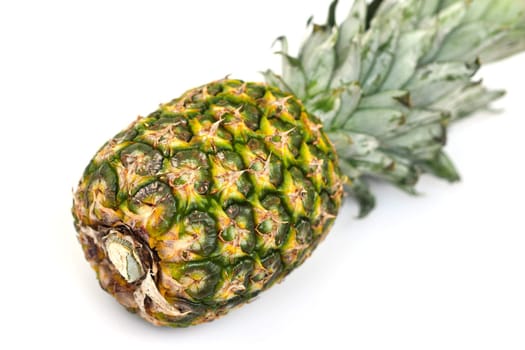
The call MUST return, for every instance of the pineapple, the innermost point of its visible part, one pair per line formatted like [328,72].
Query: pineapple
[222,192]
[207,201]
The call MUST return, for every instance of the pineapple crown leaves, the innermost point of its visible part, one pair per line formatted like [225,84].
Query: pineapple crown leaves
[389,79]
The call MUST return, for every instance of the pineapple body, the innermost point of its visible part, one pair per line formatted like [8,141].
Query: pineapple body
[220,193]
[208,201]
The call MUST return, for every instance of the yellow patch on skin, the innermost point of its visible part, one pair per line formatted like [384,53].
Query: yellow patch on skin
[236,124]
[152,215]
[315,165]
[259,165]
[239,90]
[128,178]
[109,150]
[337,183]
[278,106]
[256,286]
[175,108]
[315,130]
[169,286]
[292,248]
[194,281]
[281,142]
[223,220]
[106,151]
[232,249]
[186,174]
[166,137]
[230,289]
[317,170]
[206,134]
[262,175]
[324,219]
[262,215]
[268,239]
[225,178]
[263,276]
[174,248]
[98,210]
[98,189]
[294,195]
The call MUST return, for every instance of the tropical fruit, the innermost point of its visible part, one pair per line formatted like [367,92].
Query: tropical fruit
[220,193]
[207,201]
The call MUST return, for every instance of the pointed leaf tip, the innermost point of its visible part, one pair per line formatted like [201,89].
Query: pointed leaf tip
[331,22]
[371,11]
[442,167]
[365,199]
[283,41]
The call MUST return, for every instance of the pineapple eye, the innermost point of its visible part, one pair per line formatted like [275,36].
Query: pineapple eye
[124,258]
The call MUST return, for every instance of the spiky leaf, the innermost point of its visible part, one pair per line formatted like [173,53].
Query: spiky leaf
[403,71]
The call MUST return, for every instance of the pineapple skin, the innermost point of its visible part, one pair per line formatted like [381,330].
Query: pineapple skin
[211,199]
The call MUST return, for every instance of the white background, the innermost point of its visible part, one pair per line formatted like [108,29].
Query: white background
[445,270]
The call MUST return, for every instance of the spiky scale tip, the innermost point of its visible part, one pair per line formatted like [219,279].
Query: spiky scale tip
[207,201]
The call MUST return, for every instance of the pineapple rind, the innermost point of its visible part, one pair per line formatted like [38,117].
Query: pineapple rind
[222,192]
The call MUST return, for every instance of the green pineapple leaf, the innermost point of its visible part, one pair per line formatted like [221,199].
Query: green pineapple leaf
[388,81]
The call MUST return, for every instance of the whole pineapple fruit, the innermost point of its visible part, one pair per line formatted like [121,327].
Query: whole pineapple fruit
[207,201]
[220,193]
